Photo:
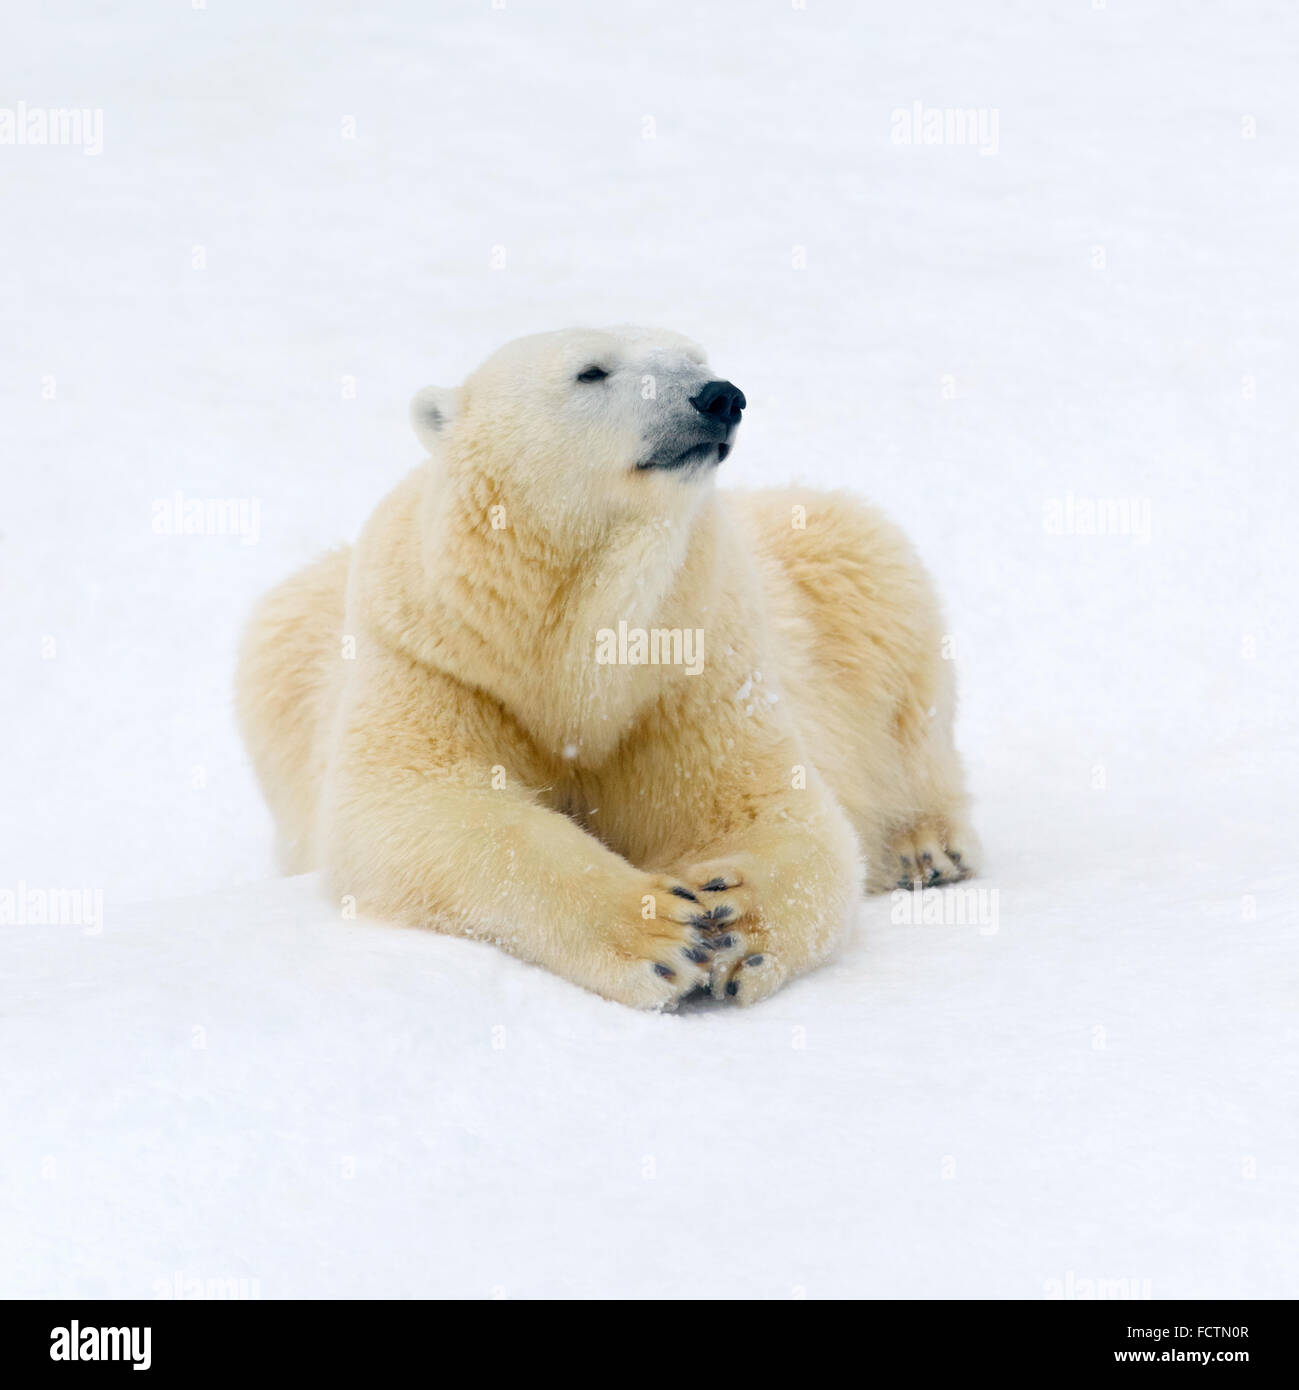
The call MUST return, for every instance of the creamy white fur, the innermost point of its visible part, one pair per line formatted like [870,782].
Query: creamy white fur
[431,727]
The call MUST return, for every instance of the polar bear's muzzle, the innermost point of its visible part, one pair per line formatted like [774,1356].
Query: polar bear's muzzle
[706,437]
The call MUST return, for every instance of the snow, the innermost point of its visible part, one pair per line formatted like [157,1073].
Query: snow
[235,301]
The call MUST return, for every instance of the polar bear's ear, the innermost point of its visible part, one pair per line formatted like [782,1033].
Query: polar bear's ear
[431,412]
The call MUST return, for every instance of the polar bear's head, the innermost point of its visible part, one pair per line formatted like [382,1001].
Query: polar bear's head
[589,419]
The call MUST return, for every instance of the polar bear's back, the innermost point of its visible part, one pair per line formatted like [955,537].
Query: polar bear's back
[284,694]
[853,568]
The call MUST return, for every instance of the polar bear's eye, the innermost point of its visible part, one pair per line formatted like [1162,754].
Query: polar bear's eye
[592,374]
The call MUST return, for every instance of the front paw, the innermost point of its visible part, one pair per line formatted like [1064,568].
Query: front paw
[739,959]
[666,939]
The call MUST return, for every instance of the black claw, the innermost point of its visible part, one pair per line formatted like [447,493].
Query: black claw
[953,856]
[714,885]
[665,970]
[696,954]
[926,858]
[732,988]
[726,941]
[934,876]
[755,960]
[685,893]
[710,921]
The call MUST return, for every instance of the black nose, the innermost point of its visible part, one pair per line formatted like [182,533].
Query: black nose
[720,400]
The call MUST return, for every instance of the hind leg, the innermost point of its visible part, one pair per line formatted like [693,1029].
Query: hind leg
[933,842]
[867,673]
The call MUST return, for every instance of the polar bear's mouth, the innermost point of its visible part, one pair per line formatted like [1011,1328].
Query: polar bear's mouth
[706,451]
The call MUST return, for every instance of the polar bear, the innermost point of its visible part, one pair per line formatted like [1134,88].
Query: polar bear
[566,696]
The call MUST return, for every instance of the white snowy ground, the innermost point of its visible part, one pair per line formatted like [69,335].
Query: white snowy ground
[235,301]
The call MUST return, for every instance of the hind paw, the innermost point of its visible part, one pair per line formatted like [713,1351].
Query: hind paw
[929,854]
